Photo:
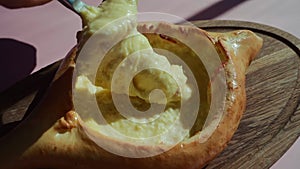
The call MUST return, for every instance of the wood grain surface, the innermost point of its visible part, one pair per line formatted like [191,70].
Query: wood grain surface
[270,124]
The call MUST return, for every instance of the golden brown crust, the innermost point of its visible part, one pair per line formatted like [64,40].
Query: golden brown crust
[62,143]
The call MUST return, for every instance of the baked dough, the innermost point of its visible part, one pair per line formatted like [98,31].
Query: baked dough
[53,135]
[56,135]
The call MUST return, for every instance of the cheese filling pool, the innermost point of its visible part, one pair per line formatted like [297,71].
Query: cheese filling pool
[140,71]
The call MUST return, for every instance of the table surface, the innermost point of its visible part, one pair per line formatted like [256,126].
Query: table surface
[46,33]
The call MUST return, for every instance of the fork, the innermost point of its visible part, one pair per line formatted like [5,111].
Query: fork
[74,5]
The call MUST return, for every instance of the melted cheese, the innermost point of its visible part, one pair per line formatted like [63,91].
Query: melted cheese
[128,57]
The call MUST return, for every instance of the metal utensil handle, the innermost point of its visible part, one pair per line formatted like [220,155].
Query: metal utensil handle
[74,5]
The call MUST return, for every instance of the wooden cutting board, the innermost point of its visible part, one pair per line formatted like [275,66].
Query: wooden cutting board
[270,124]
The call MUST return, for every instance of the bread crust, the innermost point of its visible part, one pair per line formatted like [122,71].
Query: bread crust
[55,137]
